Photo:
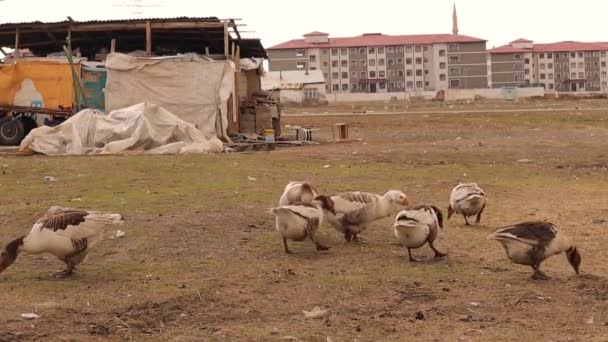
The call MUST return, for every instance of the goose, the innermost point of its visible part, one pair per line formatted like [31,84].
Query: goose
[356,210]
[297,192]
[467,199]
[531,243]
[417,226]
[299,221]
[69,234]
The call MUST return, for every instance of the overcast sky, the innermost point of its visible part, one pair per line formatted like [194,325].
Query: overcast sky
[276,21]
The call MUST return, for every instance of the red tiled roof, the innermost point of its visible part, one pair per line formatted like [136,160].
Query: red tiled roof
[316,33]
[379,40]
[521,40]
[553,47]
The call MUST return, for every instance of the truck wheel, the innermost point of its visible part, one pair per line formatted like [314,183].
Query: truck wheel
[11,131]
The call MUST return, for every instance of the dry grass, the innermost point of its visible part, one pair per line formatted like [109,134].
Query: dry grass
[201,259]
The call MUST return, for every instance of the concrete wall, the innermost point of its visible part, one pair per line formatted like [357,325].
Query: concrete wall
[493,94]
[296,96]
[378,97]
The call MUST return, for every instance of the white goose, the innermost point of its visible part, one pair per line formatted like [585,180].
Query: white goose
[417,226]
[467,199]
[531,243]
[297,192]
[299,221]
[356,210]
[69,234]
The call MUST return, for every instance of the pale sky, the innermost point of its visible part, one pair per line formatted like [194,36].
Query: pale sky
[276,21]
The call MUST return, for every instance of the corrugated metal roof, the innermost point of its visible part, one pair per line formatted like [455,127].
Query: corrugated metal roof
[379,40]
[553,47]
[111,21]
[291,79]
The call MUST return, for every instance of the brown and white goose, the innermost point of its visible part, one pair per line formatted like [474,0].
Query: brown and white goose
[297,192]
[69,234]
[531,243]
[356,210]
[299,221]
[467,199]
[417,226]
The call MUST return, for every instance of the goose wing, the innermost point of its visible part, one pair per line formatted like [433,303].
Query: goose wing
[77,224]
[352,201]
[531,233]
[423,214]
[303,210]
[465,191]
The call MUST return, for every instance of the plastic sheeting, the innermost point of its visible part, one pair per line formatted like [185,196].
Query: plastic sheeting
[194,89]
[142,128]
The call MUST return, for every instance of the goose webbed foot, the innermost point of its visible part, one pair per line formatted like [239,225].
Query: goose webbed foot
[538,275]
[63,274]
[357,239]
[411,258]
[287,251]
[322,248]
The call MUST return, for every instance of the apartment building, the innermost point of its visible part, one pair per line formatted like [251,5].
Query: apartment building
[377,63]
[564,66]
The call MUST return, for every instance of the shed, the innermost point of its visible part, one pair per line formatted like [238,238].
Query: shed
[297,86]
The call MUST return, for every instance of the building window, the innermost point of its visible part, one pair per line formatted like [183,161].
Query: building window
[581,65]
[381,50]
[581,75]
[518,67]
[527,61]
[454,59]
[363,75]
[518,77]
[426,60]
[312,58]
[542,66]
[572,54]
[454,72]
[400,49]
[426,48]
[391,73]
[427,83]
[325,64]
[372,74]
[334,64]
[325,75]
[324,51]
[334,52]
[353,63]
[542,55]
[363,62]
[550,85]
[603,53]
[400,73]
[344,75]
[558,76]
[573,75]
[426,72]
[382,85]
[353,87]
[527,71]
[419,84]
[409,73]
[441,53]
[517,57]
[335,75]
[418,72]
[550,66]
[542,76]
[391,61]
[399,61]
[418,48]
[408,61]
[409,49]
[549,55]
[564,55]
[300,53]
[391,86]
[454,48]
[390,49]
[410,85]
[596,64]
[353,51]
[381,74]
[381,62]
[345,87]
[454,83]
[353,74]
[344,64]
[371,50]
[300,65]
[311,94]
[418,60]
[313,68]
[344,52]
[362,51]
[603,64]
[580,55]
[336,87]
[372,62]
[442,77]
[550,76]
[604,74]
[442,65]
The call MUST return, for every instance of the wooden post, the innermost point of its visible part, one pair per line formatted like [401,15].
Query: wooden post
[206,51]
[17,53]
[113,46]
[226,40]
[148,39]
[235,122]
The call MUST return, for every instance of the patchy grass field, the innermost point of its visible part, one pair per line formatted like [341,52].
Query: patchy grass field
[201,260]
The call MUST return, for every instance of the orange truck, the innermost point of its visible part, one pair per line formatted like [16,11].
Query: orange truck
[34,92]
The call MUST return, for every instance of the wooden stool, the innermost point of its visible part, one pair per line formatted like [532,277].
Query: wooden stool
[341,130]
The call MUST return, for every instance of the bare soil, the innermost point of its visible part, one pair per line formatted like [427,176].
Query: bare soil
[201,260]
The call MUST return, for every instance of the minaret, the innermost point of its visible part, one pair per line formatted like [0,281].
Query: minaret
[455,21]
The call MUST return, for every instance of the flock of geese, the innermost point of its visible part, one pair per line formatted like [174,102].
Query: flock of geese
[69,234]
[302,211]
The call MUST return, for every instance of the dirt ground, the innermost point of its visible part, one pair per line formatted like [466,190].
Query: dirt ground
[201,260]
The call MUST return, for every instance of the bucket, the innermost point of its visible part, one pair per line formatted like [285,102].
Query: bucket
[268,134]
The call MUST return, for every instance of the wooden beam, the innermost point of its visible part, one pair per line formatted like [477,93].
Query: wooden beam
[233,49]
[148,38]
[17,53]
[140,26]
[226,39]
[234,27]
[113,46]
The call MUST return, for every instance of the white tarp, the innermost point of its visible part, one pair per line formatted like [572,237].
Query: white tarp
[142,128]
[195,89]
